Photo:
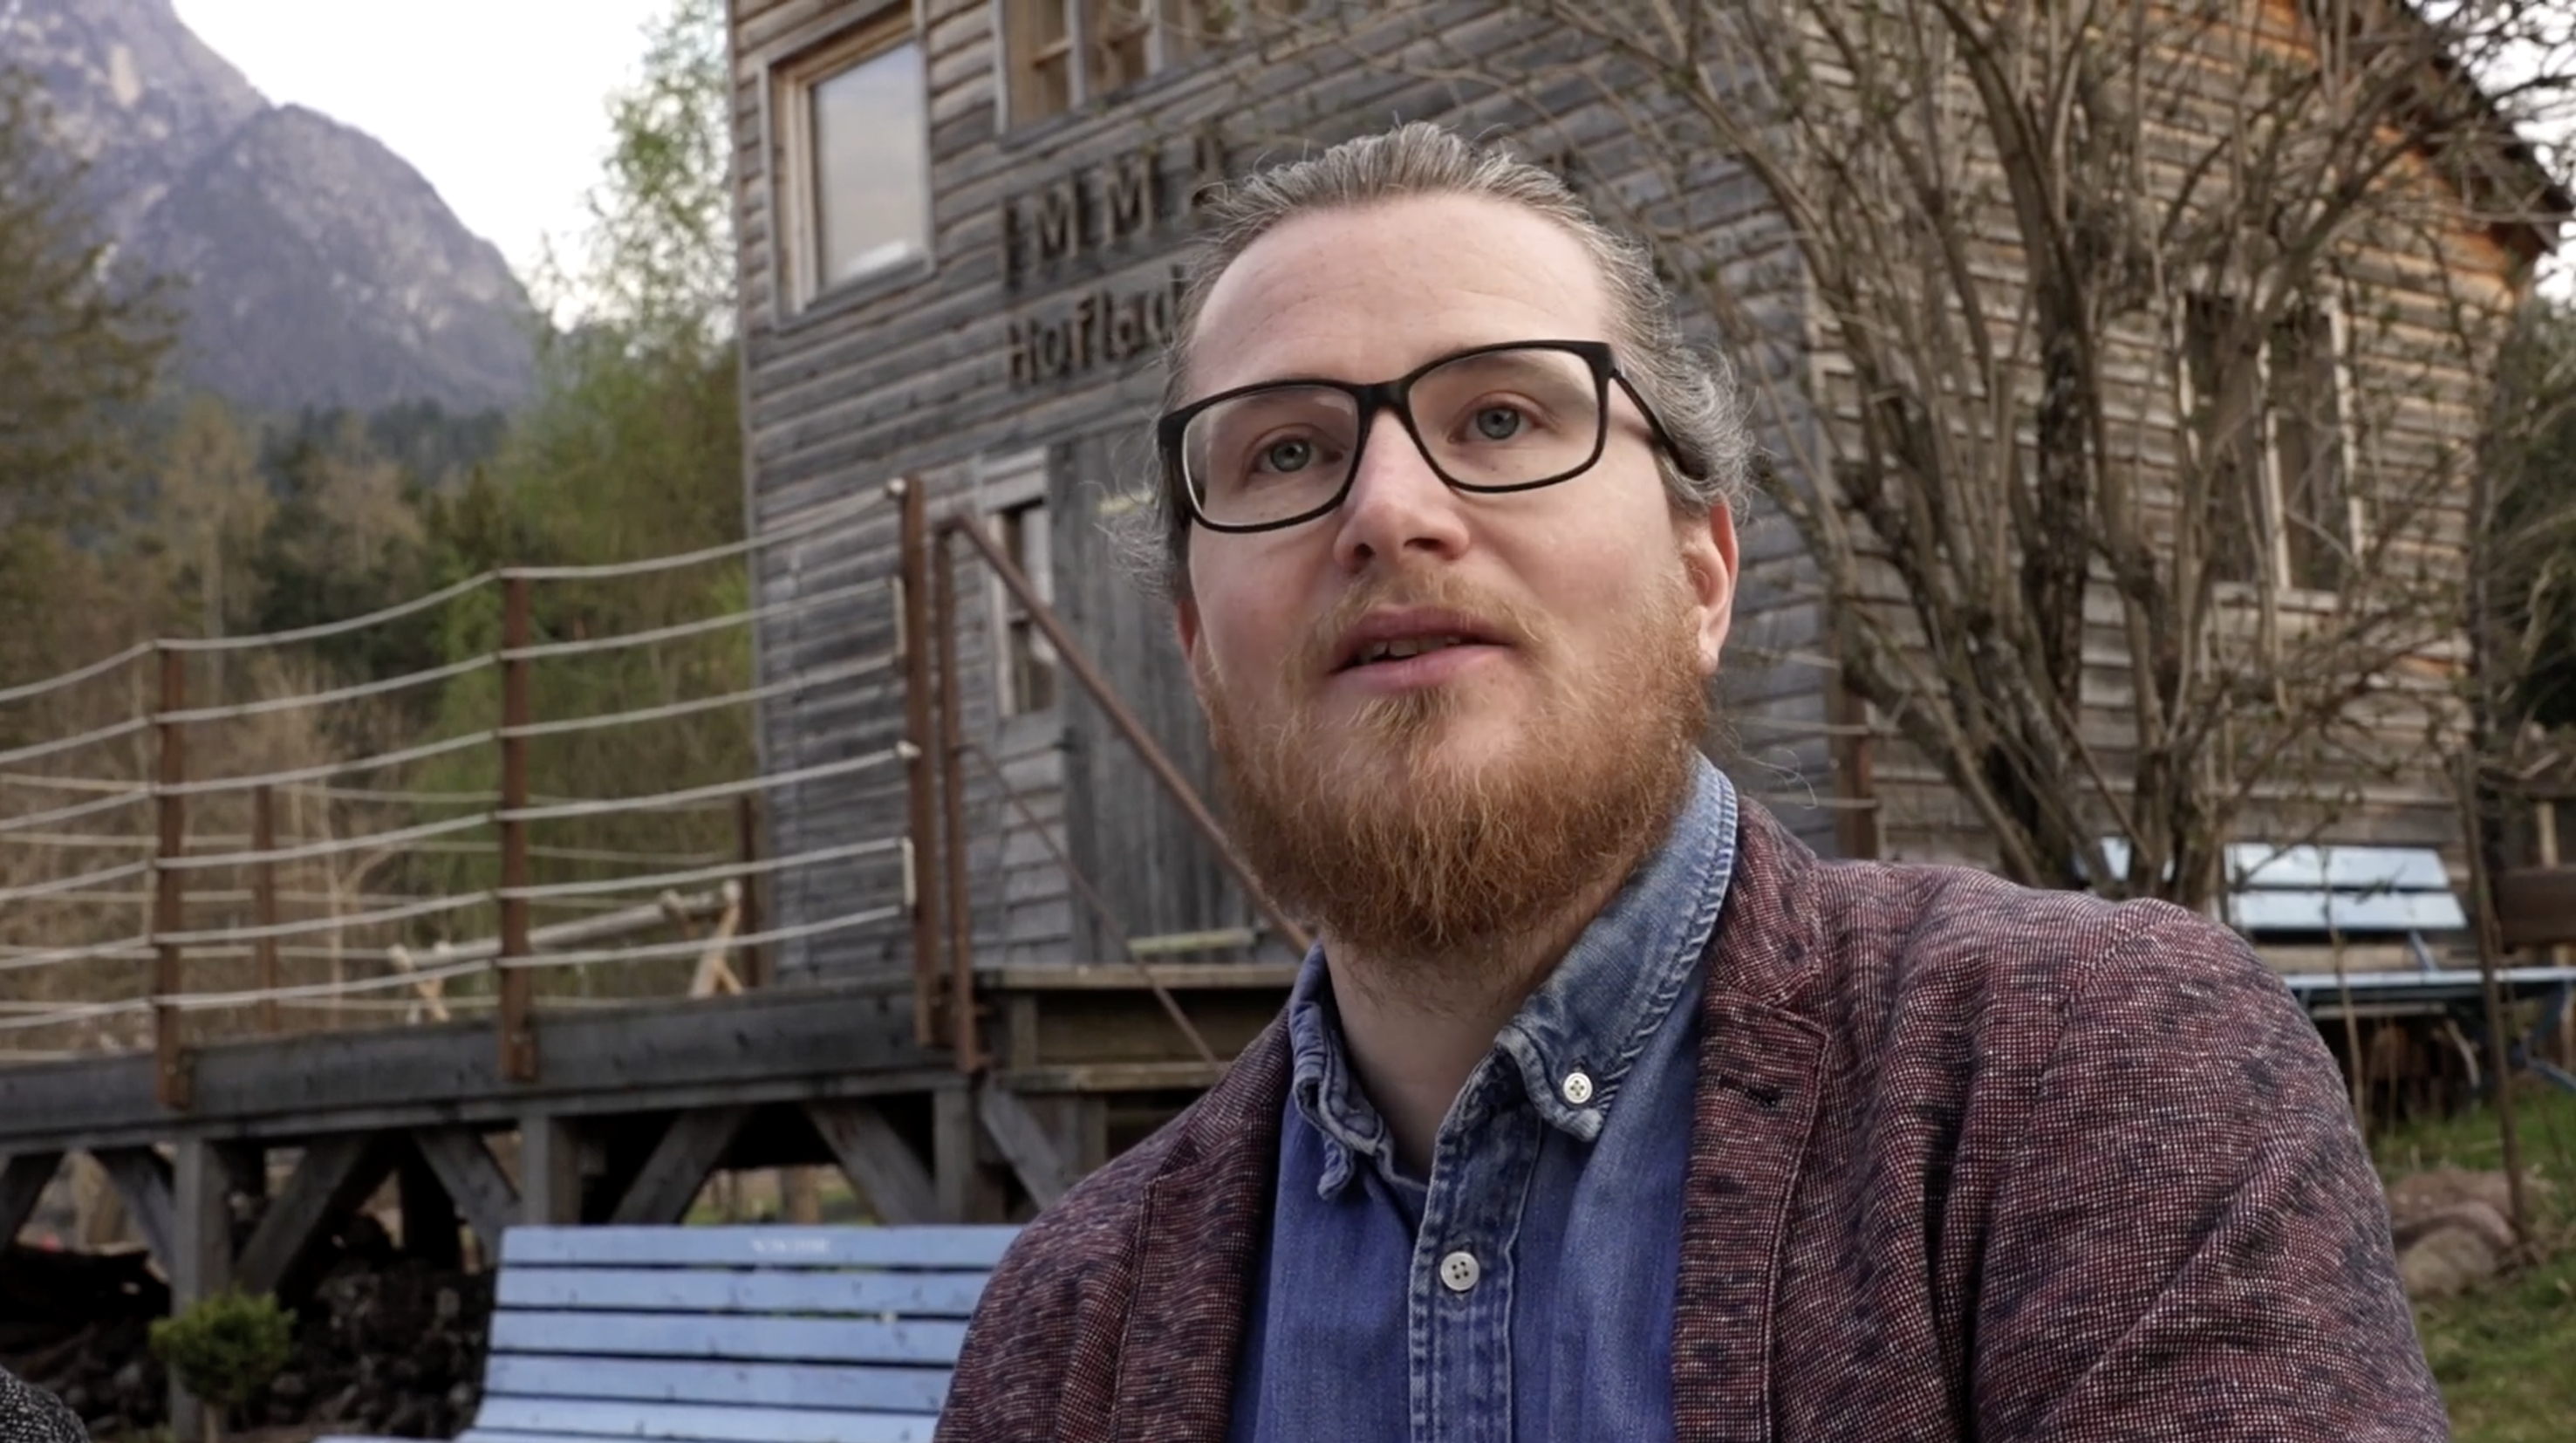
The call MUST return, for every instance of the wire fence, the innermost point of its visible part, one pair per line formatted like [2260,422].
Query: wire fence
[175,871]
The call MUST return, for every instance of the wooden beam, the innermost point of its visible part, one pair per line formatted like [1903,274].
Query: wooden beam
[549,1171]
[200,1260]
[671,1177]
[474,1182]
[1023,1139]
[336,1175]
[202,1180]
[23,1180]
[786,1044]
[142,1178]
[877,1160]
[430,1218]
[969,1190]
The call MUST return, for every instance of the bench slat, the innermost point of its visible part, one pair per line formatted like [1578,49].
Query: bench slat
[2346,912]
[938,1295]
[754,1385]
[758,1246]
[676,1335]
[547,1417]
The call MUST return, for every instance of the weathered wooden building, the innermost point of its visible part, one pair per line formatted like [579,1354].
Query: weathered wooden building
[958,223]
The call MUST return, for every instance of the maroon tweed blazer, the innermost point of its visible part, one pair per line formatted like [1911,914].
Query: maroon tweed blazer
[1969,1162]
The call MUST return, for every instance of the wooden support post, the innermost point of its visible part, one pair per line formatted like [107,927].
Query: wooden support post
[549,1171]
[200,1261]
[202,1181]
[921,796]
[335,1176]
[968,1191]
[430,1221]
[474,1181]
[670,1178]
[1078,1124]
[170,1083]
[877,1161]
[519,1060]
[960,1002]
[263,888]
[23,1180]
[746,826]
[142,1179]
[1042,1168]
[2545,824]
[2482,925]
[1858,831]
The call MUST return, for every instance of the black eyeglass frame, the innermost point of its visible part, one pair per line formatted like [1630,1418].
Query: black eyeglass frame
[1397,396]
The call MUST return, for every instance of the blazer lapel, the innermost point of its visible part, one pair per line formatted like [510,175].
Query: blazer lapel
[1761,1068]
[1195,1247]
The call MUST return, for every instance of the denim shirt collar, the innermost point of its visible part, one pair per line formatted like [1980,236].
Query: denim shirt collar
[1592,1015]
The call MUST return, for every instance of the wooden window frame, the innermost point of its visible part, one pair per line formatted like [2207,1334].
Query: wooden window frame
[1009,486]
[2271,493]
[788,85]
[1013,43]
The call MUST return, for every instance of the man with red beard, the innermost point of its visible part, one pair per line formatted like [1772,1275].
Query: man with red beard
[1602,1109]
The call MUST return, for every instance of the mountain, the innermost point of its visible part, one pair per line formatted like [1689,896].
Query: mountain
[320,268]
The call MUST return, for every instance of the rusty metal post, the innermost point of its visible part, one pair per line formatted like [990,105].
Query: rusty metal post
[920,781]
[518,1032]
[263,891]
[952,792]
[746,826]
[1078,661]
[171,1083]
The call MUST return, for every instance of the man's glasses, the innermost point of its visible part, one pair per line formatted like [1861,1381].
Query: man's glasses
[1512,417]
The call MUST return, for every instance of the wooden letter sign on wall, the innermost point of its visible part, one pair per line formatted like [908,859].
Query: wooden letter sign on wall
[1092,214]
[1102,207]
[1106,327]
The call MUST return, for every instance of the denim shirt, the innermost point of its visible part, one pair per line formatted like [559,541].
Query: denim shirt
[1526,1291]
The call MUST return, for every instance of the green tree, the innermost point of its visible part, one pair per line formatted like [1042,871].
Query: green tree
[80,341]
[632,449]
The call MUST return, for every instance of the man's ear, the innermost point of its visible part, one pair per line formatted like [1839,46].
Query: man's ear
[1709,568]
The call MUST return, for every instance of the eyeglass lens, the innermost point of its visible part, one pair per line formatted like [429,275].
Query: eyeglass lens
[1494,419]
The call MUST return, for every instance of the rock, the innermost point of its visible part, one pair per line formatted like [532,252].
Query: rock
[2420,1194]
[2452,1229]
[2483,1219]
[2448,1261]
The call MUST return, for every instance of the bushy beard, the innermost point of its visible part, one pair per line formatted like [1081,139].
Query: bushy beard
[1418,860]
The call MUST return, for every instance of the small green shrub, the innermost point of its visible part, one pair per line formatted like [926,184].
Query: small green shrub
[227,1347]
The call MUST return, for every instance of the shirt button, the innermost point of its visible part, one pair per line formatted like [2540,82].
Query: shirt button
[1578,1087]
[1459,1271]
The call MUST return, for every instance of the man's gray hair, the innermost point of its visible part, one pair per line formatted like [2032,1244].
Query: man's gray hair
[1693,391]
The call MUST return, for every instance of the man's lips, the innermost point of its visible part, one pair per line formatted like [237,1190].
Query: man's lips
[1400,637]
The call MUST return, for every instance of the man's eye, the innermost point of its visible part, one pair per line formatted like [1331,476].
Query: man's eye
[1499,423]
[1293,455]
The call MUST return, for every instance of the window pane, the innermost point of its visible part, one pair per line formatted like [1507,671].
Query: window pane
[2225,382]
[871,167]
[1040,50]
[1120,36]
[2307,429]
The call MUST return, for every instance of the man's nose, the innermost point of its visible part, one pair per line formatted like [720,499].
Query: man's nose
[1397,503]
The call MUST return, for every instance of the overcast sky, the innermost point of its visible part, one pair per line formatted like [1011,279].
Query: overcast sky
[500,103]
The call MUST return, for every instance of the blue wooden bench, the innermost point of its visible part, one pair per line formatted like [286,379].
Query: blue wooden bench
[728,1335]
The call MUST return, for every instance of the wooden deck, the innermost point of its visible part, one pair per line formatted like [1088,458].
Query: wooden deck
[630,1111]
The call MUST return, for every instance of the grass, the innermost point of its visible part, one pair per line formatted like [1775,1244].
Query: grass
[2505,1354]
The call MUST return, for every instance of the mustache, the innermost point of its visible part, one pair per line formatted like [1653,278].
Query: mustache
[1519,625]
